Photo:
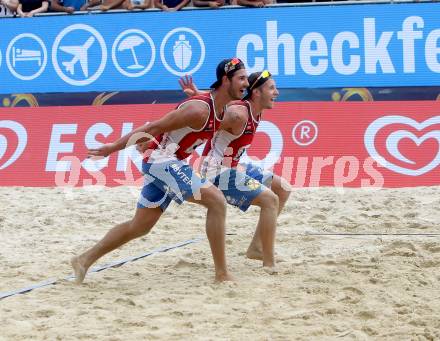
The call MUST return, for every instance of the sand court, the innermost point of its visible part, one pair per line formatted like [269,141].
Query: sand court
[356,264]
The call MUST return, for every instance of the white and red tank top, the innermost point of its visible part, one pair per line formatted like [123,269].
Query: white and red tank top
[182,142]
[225,149]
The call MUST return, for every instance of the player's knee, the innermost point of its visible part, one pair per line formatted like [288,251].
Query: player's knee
[135,230]
[213,198]
[274,201]
[138,229]
[269,200]
[283,195]
[281,186]
[143,222]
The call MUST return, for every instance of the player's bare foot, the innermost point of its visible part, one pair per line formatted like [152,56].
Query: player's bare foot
[79,269]
[257,254]
[254,253]
[223,277]
[271,270]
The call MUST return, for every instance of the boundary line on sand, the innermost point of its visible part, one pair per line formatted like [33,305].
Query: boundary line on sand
[119,263]
[114,264]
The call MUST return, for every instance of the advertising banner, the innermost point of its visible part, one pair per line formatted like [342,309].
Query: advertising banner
[345,144]
[303,47]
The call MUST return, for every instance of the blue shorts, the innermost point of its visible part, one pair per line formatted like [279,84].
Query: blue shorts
[167,181]
[238,188]
[262,176]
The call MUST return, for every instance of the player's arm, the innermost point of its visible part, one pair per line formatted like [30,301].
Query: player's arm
[193,114]
[234,119]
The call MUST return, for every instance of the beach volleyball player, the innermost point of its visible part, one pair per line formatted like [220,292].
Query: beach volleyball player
[168,177]
[246,184]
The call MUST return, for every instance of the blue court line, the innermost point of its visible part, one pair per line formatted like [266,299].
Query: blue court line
[100,268]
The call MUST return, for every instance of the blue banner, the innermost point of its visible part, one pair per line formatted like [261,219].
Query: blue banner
[303,47]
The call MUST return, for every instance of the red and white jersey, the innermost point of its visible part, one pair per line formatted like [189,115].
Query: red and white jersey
[182,142]
[225,149]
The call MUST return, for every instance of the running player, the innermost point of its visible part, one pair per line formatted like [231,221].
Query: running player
[168,177]
[228,145]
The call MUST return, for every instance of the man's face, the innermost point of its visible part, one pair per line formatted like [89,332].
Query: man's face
[268,93]
[237,84]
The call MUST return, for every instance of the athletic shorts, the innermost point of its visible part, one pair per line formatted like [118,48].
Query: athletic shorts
[167,181]
[262,176]
[238,188]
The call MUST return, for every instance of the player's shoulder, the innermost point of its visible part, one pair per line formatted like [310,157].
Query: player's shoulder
[196,103]
[195,107]
[237,111]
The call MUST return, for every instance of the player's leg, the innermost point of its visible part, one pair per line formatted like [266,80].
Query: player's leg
[142,222]
[214,201]
[282,189]
[152,202]
[264,236]
[189,186]
[277,184]
[242,191]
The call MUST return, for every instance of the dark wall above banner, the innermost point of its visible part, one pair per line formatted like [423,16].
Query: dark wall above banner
[175,96]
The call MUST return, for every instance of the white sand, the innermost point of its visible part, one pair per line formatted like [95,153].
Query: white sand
[329,287]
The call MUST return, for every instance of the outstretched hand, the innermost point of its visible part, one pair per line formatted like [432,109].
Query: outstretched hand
[101,152]
[188,86]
